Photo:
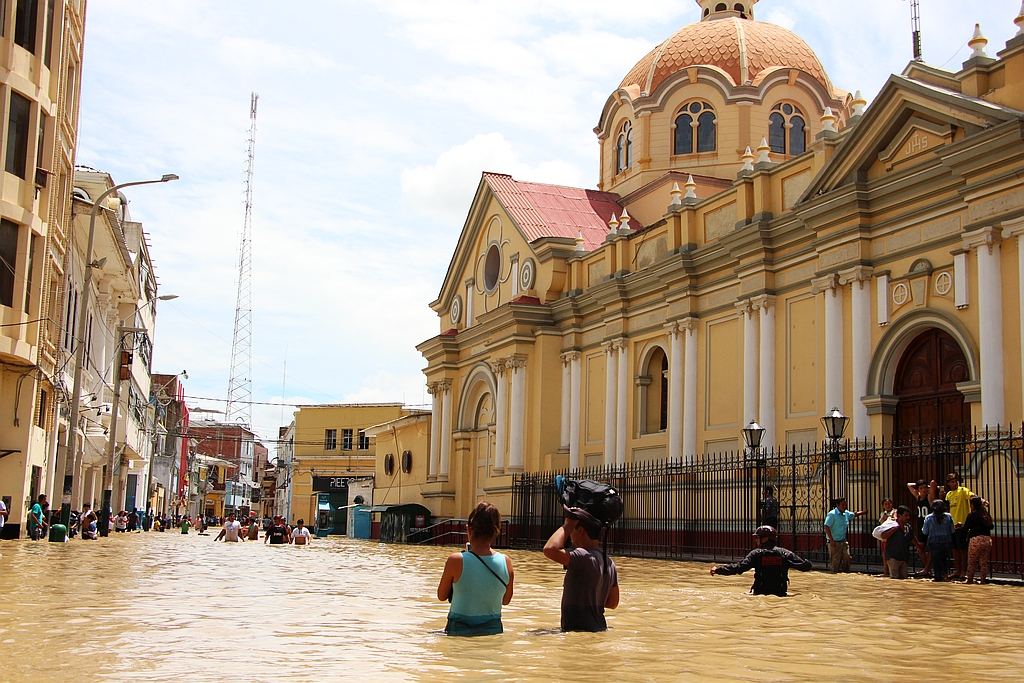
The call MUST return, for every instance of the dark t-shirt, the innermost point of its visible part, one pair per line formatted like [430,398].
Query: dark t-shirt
[589,578]
[771,569]
[975,526]
[277,534]
[770,512]
[924,509]
[897,546]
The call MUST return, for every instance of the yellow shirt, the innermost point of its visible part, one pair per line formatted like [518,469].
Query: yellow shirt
[959,502]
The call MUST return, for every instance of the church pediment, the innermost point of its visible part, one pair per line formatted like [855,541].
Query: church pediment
[918,137]
[905,125]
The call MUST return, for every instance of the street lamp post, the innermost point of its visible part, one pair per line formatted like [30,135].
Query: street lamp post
[753,434]
[108,477]
[76,395]
[835,424]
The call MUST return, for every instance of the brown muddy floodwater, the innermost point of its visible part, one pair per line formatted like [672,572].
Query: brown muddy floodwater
[163,607]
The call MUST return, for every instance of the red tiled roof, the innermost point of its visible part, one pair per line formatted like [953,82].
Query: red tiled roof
[556,211]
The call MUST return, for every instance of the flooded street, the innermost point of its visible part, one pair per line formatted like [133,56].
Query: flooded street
[163,607]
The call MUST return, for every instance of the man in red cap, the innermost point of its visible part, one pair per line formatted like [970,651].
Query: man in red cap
[591,582]
[770,563]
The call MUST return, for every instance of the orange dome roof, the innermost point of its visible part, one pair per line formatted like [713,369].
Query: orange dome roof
[741,47]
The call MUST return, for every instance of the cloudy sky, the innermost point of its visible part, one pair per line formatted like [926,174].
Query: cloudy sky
[375,121]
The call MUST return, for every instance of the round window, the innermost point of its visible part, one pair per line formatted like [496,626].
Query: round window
[492,267]
[389,464]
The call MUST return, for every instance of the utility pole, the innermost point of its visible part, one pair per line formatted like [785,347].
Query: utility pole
[239,404]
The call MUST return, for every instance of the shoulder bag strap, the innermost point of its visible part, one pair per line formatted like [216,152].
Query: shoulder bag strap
[503,582]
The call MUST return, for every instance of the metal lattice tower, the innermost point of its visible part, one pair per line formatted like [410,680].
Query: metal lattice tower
[239,408]
[915,25]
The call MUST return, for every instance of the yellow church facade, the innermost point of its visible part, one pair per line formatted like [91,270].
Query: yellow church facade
[761,246]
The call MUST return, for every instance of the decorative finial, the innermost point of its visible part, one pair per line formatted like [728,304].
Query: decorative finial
[748,160]
[977,43]
[624,220]
[858,103]
[579,241]
[677,195]
[691,188]
[828,121]
[762,152]
[1020,20]
[613,225]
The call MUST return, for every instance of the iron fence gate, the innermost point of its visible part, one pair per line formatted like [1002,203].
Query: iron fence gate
[708,509]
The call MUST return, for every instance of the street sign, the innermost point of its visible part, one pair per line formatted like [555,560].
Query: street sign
[337,484]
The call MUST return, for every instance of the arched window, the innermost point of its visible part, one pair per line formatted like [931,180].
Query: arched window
[706,133]
[655,396]
[721,7]
[787,129]
[624,148]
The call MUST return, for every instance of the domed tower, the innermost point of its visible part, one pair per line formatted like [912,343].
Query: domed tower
[700,98]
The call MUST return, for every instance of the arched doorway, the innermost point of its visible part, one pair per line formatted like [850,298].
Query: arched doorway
[483,443]
[925,384]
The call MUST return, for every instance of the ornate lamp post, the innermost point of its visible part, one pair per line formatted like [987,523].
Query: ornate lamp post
[753,434]
[835,424]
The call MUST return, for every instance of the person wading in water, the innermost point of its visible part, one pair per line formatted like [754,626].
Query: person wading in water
[770,563]
[479,580]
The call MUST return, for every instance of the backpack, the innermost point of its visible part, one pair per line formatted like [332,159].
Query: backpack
[596,497]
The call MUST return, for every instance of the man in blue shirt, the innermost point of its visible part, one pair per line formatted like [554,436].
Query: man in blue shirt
[837,523]
[37,519]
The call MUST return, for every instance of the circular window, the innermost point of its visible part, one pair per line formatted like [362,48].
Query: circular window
[455,312]
[527,274]
[492,267]
[787,109]
[943,283]
[407,462]
[900,294]
[389,464]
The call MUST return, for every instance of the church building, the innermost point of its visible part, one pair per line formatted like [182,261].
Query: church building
[762,245]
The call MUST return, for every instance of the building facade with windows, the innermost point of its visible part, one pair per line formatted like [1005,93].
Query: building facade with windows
[227,451]
[331,449]
[41,57]
[761,246]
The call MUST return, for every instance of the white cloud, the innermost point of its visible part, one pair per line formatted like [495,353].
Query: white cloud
[446,187]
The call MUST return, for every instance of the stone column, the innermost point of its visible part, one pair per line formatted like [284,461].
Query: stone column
[765,305]
[500,417]
[610,376]
[576,361]
[985,243]
[1015,228]
[750,359]
[434,390]
[690,391]
[829,285]
[675,392]
[859,279]
[517,423]
[446,429]
[469,302]
[621,417]
[563,446]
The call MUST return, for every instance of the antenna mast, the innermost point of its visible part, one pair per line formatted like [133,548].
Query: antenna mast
[239,408]
[915,25]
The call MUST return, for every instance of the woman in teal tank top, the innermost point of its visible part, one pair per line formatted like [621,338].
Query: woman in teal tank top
[479,580]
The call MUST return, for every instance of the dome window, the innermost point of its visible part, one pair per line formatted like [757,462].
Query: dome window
[695,120]
[787,130]
[624,148]
[721,7]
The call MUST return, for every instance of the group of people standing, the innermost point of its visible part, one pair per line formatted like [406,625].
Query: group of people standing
[278,533]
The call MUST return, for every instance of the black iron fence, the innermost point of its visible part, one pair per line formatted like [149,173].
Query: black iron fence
[708,509]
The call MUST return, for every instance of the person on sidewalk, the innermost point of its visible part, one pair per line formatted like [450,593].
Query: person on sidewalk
[958,501]
[979,533]
[837,524]
[771,564]
[939,528]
